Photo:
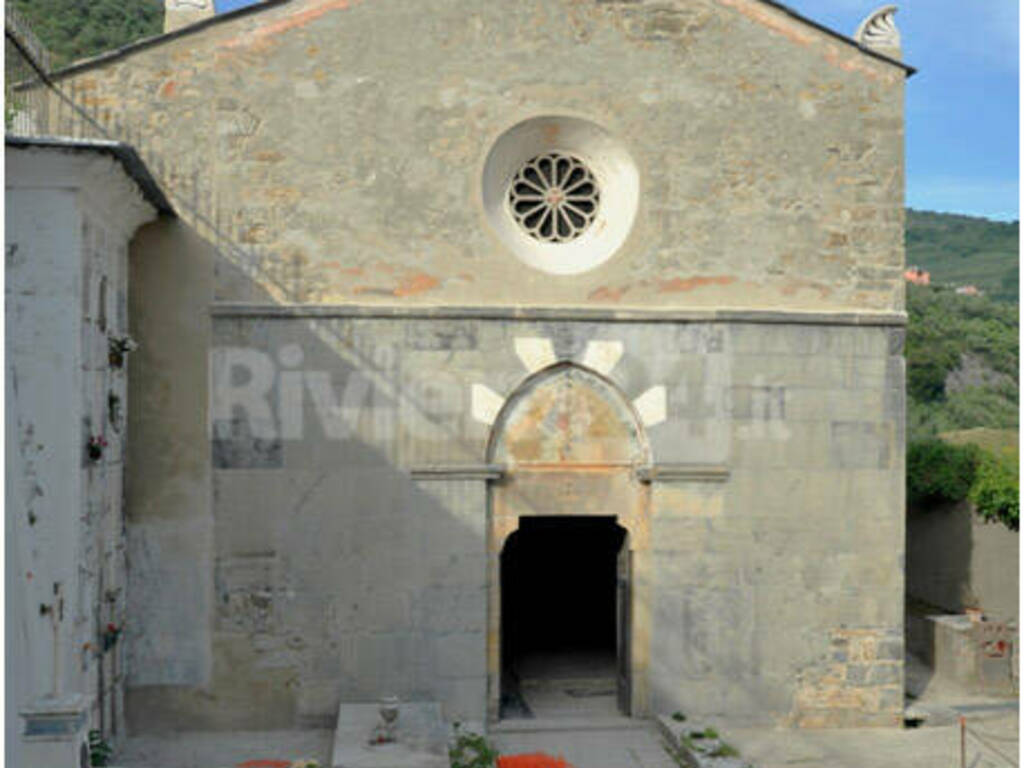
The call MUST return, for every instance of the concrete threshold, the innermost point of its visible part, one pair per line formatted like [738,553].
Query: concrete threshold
[1000,707]
[543,724]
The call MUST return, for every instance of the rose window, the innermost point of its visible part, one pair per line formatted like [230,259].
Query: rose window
[554,197]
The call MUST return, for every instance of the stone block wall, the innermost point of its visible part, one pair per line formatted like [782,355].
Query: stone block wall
[859,684]
[338,147]
[956,560]
[348,550]
[328,161]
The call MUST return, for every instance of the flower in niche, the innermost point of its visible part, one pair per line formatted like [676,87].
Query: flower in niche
[95,447]
[118,347]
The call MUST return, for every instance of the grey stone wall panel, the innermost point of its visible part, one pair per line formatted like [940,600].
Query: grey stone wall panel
[341,146]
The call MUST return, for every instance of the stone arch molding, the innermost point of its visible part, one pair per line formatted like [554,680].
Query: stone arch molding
[569,443]
[567,415]
[537,355]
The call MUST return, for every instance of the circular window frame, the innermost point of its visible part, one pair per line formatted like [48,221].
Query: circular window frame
[611,166]
[554,197]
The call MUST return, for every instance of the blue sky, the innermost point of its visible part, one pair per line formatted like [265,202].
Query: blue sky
[223,6]
[962,105]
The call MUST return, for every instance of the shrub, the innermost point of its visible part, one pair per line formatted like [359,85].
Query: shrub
[996,490]
[470,750]
[100,751]
[938,472]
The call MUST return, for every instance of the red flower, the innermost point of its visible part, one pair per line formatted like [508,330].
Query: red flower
[533,760]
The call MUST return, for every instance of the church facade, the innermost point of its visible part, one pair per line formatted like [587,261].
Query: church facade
[491,332]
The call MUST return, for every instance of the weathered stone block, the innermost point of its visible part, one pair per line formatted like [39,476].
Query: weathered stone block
[883,674]
[890,650]
[860,444]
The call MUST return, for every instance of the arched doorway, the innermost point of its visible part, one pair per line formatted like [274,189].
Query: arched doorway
[570,497]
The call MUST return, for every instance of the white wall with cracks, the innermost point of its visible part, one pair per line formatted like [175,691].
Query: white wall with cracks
[70,215]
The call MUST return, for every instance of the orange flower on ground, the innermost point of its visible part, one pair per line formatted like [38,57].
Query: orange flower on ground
[535,760]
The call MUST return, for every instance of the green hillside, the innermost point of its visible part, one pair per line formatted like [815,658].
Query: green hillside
[962,351]
[962,362]
[962,403]
[76,29]
[964,250]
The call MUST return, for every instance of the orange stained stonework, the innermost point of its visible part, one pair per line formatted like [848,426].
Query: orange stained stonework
[680,284]
[261,37]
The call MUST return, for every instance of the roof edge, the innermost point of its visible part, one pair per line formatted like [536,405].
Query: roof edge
[149,42]
[840,36]
[125,154]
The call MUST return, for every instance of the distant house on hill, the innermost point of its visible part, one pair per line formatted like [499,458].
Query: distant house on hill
[917,276]
[969,290]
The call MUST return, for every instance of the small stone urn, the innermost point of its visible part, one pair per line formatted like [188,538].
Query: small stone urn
[384,732]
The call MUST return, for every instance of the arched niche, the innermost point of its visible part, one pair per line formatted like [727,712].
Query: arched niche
[567,415]
[570,444]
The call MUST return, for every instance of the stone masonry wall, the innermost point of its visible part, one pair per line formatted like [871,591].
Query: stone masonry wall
[339,146]
[339,572]
[336,150]
[859,684]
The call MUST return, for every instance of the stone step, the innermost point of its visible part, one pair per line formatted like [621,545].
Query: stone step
[583,684]
[702,752]
[545,724]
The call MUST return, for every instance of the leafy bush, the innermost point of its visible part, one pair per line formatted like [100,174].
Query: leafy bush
[996,490]
[938,472]
[471,750]
[993,407]
[100,751]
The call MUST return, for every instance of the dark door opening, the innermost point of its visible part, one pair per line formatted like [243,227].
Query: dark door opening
[562,633]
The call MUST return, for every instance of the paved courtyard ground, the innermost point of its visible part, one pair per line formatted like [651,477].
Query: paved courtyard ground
[929,747]
[592,736]
[191,749]
[637,747]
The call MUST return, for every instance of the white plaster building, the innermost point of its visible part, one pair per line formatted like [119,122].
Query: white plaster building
[72,208]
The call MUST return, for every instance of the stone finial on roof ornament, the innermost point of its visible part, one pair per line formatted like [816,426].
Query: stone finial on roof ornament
[879,33]
[181,13]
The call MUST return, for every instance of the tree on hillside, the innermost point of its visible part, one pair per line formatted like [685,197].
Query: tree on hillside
[962,359]
[76,29]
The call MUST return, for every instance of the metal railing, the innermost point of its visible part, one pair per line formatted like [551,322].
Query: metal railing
[979,749]
[26,62]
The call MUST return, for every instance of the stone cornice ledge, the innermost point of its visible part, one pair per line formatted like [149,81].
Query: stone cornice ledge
[681,473]
[578,314]
[654,473]
[457,472]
